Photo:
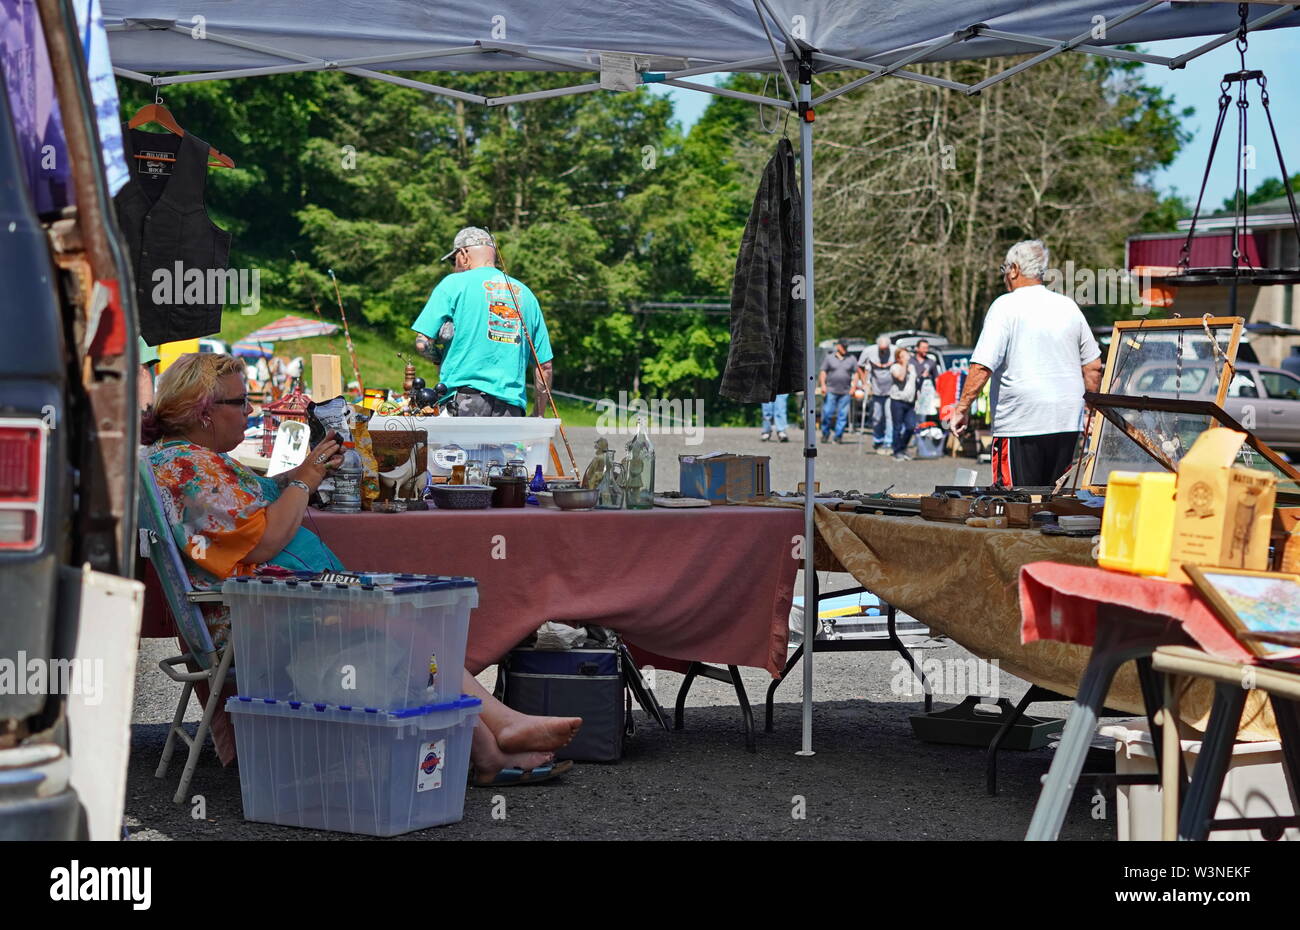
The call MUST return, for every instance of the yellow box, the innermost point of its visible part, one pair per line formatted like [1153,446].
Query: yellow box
[1137,526]
[1223,513]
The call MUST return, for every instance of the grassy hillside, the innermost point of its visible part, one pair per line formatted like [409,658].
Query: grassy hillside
[376,355]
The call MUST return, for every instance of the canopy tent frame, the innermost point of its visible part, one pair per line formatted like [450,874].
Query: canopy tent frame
[800,58]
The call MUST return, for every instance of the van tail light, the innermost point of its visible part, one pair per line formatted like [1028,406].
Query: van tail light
[24,444]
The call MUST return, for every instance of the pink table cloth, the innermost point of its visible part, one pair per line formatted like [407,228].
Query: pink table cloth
[712,585]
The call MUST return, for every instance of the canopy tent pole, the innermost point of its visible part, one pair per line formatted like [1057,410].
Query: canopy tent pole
[810,400]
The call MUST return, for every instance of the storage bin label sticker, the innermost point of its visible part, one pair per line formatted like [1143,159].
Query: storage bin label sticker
[432,758]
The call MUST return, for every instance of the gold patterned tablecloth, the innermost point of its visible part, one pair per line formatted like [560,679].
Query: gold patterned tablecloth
[962,581]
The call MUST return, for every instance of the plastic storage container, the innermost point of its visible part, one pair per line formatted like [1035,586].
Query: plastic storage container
[929,443]
[1137,528]
[361,645]
[1255,784]
[352,770]
[488,439]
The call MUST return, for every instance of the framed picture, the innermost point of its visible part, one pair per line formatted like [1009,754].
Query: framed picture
[1182,359]
[1154,433]
[1261,608]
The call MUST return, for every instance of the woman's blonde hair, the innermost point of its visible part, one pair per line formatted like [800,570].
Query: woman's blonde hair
[185,392]
[899,353]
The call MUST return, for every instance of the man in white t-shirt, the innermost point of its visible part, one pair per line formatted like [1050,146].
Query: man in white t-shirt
[1038,345]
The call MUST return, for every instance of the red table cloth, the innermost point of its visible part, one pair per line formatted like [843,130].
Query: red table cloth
[712,585]
[1060,602]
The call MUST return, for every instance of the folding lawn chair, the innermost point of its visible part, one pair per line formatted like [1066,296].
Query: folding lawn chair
[183,600]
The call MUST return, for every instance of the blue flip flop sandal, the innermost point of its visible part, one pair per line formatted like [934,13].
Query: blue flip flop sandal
[517,776]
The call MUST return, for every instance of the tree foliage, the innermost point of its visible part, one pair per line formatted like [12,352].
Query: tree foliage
[605,207]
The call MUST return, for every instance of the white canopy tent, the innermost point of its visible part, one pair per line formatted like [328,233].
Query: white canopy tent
[659,41]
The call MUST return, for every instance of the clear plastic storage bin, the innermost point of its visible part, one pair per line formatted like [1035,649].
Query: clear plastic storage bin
[358,645]
[351,770]
[487,439]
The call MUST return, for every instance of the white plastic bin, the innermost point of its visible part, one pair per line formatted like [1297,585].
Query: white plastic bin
[1255,784]
[488,439]
[354,771]
[359,646]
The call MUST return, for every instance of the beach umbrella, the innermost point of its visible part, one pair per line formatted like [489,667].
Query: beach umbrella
[287,327]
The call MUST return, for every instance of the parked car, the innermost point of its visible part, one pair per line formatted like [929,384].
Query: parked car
[1265,400]
[1196,343]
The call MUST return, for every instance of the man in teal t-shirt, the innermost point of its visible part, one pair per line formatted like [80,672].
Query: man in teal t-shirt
[489,355]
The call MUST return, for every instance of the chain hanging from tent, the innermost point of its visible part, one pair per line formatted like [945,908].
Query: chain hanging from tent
[1242,270]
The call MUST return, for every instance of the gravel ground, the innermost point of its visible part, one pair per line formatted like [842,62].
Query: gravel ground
[869,779]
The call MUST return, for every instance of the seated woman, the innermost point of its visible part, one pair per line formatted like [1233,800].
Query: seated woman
[228,521]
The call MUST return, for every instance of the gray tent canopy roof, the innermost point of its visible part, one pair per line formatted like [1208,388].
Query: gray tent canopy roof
[671,40]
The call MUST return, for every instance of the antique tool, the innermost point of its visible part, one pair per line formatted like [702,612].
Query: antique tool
[347,334]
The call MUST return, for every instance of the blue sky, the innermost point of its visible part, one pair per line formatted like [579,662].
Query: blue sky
[1274,52]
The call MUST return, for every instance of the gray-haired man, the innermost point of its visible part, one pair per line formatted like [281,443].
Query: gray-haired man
[1039,346]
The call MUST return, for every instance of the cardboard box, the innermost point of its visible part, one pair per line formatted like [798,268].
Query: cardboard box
[723,476]
[1286,539]
[1223,513]
[326,378]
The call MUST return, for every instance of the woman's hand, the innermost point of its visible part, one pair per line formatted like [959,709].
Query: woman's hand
[320,460]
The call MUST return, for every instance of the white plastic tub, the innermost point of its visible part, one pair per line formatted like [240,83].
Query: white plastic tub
[366,647]
[1255,784]
[354,771]
[487,439]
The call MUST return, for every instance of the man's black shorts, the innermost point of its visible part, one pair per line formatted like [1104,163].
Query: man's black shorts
[471,402]
[1032,461]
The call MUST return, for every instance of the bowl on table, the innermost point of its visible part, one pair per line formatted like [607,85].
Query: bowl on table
[462,496]
[575,498]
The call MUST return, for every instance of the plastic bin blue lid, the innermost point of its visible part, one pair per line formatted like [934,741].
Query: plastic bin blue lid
[400,713]
[402,583]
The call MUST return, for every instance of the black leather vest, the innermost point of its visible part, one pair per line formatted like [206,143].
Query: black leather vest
[166,225]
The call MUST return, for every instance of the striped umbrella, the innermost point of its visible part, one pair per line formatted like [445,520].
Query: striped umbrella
[287,327]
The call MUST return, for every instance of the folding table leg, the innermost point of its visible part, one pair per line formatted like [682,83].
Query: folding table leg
[1123,634]
[1287,715]
[1212,761]
[744,707]
[776,683]
[679,711]
[991,761]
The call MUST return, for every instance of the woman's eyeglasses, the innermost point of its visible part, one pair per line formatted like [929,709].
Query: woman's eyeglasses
[241,401]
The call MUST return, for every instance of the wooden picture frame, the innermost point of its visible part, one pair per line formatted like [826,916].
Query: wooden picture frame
[1122,331]
[1252,637]
[1108,405]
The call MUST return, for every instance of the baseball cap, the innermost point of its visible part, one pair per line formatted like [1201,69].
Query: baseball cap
[470,236]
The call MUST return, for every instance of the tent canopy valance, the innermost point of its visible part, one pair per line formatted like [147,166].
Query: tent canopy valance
[671,40]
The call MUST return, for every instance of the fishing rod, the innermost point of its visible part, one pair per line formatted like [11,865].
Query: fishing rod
[540,375]
[356,372]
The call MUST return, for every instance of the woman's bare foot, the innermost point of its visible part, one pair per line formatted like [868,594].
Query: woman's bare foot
[487,758]
[526,733]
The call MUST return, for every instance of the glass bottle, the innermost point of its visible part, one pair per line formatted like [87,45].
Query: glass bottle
[609,493]
[538,483]
[639,470]
[347,482]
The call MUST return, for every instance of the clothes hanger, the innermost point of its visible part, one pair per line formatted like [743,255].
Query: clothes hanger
[157,113]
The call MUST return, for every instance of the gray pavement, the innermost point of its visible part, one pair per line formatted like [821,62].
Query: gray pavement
[869,779]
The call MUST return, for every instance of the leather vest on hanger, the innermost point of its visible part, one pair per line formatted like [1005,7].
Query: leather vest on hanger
[166,226]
